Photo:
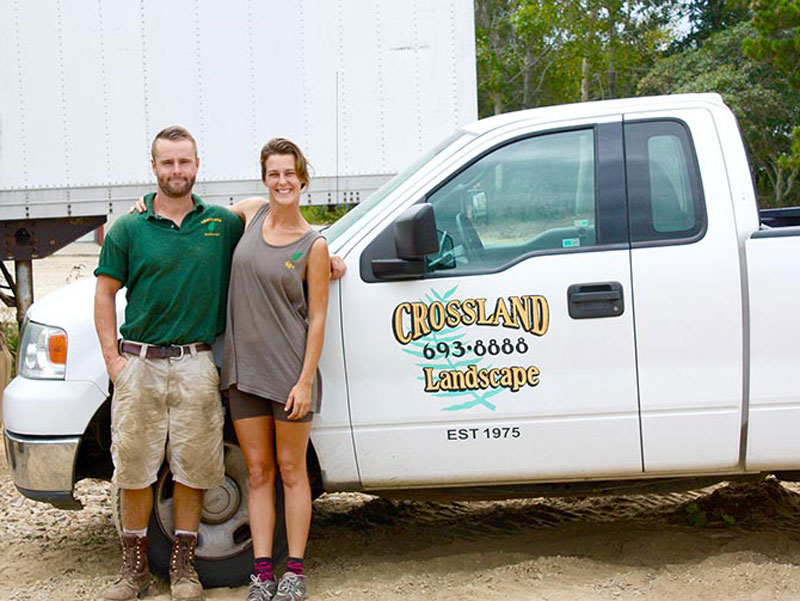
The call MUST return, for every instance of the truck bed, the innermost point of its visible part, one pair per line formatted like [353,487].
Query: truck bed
[783,217]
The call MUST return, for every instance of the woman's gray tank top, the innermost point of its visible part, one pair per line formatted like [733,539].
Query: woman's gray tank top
[267,327]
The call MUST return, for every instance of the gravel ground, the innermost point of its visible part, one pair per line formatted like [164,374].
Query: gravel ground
[365,548]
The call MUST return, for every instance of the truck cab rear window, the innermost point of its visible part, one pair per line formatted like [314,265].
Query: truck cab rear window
[664,189]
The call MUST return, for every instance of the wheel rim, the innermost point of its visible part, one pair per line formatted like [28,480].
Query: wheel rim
[224,525]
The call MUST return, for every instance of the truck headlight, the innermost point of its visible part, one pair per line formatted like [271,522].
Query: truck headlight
[42,352]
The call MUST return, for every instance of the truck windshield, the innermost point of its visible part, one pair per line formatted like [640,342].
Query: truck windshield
[451,144]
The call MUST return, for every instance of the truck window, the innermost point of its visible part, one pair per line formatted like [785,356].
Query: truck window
[664,189]
[534,194]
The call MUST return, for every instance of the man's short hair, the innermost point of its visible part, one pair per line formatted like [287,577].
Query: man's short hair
[174,133]
[284,146]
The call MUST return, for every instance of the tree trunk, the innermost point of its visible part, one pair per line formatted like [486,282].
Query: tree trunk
[612,36]
[585,80]
[585,70]
[497,102]
[527,91]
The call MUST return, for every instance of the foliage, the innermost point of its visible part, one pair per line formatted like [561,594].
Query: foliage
[765,105]
[539,52]
[324,214]
[777,37]
[777,41]
[706,17]
[9,333]
[699,517]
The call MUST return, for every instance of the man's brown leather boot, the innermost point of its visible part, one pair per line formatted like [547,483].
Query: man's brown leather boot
[184,583]
[134,577]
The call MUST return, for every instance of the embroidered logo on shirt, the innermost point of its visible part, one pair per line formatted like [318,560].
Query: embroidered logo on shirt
[295,256]
[211,226]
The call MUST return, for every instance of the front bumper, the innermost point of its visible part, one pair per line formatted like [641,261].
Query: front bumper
[43,468]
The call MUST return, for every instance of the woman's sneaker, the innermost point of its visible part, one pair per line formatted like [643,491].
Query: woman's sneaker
[291,588]
[261,590]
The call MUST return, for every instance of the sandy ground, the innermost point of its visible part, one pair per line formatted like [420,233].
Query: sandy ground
[364,548]
[732,542]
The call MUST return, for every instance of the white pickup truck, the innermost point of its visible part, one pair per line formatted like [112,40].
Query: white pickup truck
[572,299]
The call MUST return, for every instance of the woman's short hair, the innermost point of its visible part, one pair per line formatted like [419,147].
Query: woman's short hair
[284,146]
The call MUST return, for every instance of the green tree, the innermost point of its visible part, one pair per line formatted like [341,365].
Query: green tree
[492,36]
[706,17]
[618,41]
[777,36]
[518,45]
[539,52]
[777,41]
[765,104]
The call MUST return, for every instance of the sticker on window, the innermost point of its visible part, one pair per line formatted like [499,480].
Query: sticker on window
[570,242]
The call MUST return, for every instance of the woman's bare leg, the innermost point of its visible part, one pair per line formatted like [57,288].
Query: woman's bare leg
[292,443]
[255,436]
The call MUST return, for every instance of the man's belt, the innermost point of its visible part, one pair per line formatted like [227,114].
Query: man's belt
[155,351]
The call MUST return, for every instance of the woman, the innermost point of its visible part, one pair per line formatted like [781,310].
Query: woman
[277,303]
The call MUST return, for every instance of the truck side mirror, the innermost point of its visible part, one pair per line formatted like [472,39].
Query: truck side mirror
[414,237]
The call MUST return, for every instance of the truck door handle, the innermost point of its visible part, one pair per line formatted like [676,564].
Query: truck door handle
[602,299]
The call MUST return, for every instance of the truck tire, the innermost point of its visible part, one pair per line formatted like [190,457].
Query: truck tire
[224,551]
[224,555]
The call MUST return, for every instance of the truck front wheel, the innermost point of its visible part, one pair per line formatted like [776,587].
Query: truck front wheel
[224,549]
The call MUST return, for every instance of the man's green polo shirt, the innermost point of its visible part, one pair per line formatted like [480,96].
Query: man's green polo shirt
[176,277]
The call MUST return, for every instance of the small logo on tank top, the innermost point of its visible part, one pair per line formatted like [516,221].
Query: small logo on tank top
[295,256]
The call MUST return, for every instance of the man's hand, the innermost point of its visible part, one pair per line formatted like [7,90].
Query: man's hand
[338,267]
[115,367]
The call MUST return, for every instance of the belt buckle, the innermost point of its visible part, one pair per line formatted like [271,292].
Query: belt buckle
[183,351]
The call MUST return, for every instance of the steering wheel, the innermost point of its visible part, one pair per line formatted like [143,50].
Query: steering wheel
[473,247]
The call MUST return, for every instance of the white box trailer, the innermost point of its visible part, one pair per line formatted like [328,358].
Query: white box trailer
[363,86]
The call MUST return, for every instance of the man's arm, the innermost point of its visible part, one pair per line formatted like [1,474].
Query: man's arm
[105,322]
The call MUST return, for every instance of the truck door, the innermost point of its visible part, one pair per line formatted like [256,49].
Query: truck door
[687,300]
[512,357]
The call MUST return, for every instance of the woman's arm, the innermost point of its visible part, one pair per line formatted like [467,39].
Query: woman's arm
[244,209]
[318,276]
[247,207]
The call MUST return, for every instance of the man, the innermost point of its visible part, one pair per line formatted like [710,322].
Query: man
[174,259]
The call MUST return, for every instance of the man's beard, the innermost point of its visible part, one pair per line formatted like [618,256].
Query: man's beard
[172,190]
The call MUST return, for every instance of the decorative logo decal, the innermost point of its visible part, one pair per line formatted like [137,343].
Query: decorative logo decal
[212,226]
[435,329]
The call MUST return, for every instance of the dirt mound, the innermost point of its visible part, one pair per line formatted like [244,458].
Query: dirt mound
[765,505]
